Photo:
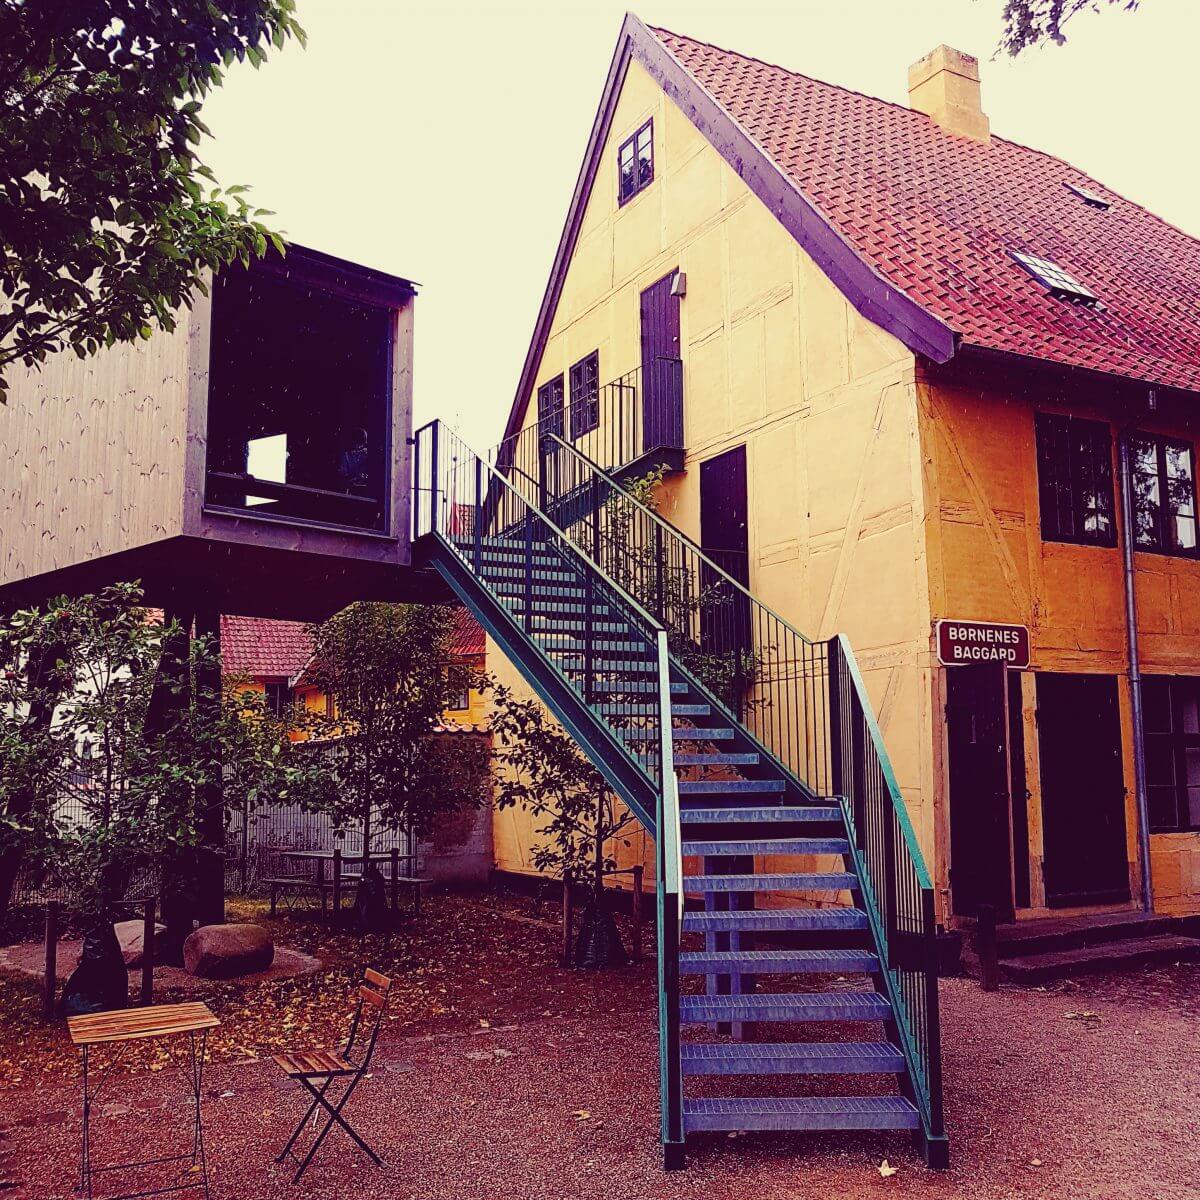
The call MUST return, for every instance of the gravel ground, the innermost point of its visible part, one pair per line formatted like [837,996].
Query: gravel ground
[1101,1106]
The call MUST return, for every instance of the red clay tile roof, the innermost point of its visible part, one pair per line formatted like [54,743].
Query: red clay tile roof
[936,215]
[260,647]
[467,637]
[263,648]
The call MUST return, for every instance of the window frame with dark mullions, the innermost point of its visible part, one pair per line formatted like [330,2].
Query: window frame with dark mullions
[1157,526]
[1072,470]
[552,410]
[642,173]
[584,384]
[1171,736]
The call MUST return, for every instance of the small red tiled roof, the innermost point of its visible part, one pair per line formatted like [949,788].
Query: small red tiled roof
[937,214]
[467,637]
[263,648]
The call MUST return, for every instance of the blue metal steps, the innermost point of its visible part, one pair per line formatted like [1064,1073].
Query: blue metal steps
[757,814]
[778,920]
[833,882]
[591,652]
[778,962]
[793,1006]
[790,1058]
[740,846]
[731,787]
[799,1112]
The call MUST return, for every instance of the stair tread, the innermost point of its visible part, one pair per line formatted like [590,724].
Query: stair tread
[757,813]
[761,1058]
[842,917]
[831,881]
[799,1112]
[791,1006]
[729,787]
[715,846]
[778,962]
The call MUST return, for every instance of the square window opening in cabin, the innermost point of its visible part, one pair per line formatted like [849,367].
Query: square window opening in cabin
[299,402]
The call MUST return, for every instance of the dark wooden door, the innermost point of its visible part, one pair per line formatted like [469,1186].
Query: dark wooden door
[1083,790]
[725,538]
[980,826]
[662,374]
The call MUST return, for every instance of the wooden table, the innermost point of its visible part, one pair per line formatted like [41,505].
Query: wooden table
[340,877]
[118,1029]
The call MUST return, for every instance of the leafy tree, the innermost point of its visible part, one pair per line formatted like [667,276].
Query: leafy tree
[125,724]
[108,221]
[1032,22]
[539,768]
[389,671]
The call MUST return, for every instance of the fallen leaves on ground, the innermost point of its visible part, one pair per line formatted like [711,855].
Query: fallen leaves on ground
[887,1170]
[456,962]
[1087,1016]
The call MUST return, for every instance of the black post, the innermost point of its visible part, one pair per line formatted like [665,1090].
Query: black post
[337,884]
[833,674]
[478,530]
[50,982]
[985,945]
[147,992]
[210,858]
[637,912]
[395,863]
[433,475]
[528,616]
[568,917]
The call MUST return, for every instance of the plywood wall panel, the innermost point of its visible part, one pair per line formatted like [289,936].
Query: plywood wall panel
[93,455]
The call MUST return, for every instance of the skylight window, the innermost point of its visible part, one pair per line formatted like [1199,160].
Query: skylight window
[1056,281]
[1088,196]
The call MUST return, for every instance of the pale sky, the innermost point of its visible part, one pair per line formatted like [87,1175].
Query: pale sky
[441,141]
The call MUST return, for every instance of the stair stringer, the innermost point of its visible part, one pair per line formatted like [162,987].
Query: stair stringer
[605,752]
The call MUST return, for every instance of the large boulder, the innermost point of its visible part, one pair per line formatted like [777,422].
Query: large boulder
[226,951]
[130,937]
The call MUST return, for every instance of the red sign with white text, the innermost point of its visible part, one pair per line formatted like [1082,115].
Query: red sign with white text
[963,643]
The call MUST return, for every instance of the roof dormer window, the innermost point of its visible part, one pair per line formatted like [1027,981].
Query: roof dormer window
[1059,283]
[1088,196]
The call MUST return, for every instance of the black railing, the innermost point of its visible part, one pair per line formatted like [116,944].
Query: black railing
[520,557]
[635,420]
[897,891]
[804,703]
[763,671]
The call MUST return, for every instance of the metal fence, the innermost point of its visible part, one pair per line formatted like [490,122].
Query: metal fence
[256,838]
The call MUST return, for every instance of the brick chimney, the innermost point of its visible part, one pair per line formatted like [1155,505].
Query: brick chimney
[944,85]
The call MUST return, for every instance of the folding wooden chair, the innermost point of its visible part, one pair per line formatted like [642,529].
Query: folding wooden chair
[318,1070]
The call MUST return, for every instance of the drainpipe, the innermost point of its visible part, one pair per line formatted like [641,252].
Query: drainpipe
[1135,672]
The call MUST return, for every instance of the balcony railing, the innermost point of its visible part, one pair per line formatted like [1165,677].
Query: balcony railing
[633,424]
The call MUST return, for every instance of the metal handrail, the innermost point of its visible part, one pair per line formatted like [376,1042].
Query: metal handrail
[667,831]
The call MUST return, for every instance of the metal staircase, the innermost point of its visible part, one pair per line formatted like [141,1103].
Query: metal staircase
[797,984]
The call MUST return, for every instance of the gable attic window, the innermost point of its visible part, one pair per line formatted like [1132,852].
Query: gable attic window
[1059,283]
[1088,196]
[635,162]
